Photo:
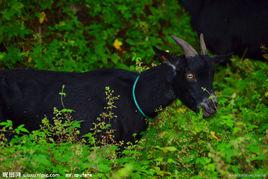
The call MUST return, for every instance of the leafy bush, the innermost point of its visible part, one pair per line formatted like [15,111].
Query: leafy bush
[81,35]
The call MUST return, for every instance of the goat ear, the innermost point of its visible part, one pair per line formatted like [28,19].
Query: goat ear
[163,55]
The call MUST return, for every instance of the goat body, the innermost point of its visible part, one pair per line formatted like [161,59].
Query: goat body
[28,96]
[231,26]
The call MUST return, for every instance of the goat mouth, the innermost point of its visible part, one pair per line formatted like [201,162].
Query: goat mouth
[209,108]
[208,112]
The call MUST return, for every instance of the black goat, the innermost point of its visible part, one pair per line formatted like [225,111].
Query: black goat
[231,26]
[27,95]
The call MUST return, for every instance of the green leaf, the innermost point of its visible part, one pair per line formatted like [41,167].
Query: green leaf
[6,124]
[20,129]
[169,149]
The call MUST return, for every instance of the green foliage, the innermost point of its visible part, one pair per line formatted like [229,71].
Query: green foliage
[81,35]
[102,127]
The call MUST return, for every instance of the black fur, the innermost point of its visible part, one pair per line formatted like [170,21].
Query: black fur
[231,26]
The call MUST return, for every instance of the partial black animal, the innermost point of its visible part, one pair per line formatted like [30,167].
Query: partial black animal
[231,26]
[26,96]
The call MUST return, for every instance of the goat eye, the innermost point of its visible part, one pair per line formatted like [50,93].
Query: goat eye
[190,76]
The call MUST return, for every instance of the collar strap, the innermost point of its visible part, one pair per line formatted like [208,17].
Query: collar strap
[134,97]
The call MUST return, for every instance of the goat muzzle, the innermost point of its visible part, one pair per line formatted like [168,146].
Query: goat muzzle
[209,106]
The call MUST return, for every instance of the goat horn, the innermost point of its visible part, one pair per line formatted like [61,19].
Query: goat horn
[203,45]
[189,51]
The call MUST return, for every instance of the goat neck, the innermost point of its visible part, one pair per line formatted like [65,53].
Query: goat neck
[154,89]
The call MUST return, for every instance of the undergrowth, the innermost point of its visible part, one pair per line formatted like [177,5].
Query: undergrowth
[84,35]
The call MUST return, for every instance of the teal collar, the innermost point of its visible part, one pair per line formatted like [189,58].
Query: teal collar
[134,97]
